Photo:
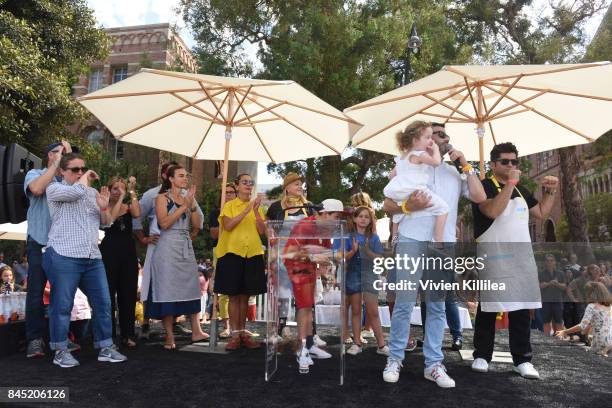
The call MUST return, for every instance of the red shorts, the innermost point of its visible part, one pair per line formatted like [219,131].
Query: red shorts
[303,276]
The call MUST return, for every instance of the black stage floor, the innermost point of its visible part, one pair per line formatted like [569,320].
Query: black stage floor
[571,377]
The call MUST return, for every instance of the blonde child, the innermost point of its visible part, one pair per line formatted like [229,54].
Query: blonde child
[411,173]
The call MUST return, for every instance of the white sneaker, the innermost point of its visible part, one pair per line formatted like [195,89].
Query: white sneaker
[363,341]
[354,350]
[318,341]
[384,350]
[349,340]
[527,370]
[480,365]
[304,361]
[437,374]
[316,352]
[392,370]
[367,334]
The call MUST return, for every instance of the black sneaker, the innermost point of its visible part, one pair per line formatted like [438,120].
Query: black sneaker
[457,344]
[36,348]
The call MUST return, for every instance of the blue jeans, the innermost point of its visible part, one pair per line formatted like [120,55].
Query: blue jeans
[65,275]
[36,324]
[404,304]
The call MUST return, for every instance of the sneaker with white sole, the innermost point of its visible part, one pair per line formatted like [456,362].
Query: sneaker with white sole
[437,374]
[64,359]
[72,346]
[304,361]
[367,334]
[383,351]
[318,341]
[354,350]
[527,370]
[392,370]
[111,355]
[316,352]
[480,365]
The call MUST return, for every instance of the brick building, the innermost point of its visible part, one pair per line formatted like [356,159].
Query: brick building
[146,46]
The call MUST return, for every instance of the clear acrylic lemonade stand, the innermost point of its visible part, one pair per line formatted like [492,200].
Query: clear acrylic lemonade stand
[313,238]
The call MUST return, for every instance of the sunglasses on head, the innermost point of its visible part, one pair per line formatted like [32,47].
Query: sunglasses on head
[77,169]
[247,182]
[441,134]
[505,162]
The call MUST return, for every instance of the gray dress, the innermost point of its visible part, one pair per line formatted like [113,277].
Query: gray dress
[175,284]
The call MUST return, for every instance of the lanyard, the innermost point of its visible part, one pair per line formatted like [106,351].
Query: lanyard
[494,180]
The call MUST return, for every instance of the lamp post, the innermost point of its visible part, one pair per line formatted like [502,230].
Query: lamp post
[413,46]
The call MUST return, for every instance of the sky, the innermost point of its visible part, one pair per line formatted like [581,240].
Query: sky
[117,13]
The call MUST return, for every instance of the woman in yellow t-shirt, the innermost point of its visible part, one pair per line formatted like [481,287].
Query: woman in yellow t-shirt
[240,258]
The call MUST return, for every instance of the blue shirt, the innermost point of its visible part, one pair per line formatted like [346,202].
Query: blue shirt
[354,264]
[39,220]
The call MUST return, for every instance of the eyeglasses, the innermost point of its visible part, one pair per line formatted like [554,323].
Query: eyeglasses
[441,134]
[505,162]
[78,169]
[247,182]
[230,192]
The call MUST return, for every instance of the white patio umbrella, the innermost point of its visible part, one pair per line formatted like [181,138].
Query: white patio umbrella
[537,107]
[198,115]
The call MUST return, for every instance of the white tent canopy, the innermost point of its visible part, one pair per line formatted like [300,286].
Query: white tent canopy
[19,232]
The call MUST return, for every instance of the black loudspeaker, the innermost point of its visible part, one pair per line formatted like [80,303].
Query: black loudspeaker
[17,162]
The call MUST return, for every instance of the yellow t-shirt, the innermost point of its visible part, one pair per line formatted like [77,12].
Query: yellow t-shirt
[244,239]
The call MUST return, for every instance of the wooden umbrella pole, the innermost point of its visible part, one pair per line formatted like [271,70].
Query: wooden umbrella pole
[480,130]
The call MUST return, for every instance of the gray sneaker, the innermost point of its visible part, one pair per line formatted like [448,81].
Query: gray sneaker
[36,348]
[64,359]
[111,355]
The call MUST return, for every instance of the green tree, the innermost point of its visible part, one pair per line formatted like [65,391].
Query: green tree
[342,51]
[44,46]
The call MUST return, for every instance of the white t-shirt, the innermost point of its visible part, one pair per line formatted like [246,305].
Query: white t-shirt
[446,182]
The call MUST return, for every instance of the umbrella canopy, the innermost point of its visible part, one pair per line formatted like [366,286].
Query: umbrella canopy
[537,107]
[197,115]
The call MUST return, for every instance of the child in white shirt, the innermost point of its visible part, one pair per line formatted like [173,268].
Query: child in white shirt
[411,174]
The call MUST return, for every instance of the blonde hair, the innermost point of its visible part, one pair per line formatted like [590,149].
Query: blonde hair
[116,179]
[596,292]
[284,199]
[406,137]
[361,199]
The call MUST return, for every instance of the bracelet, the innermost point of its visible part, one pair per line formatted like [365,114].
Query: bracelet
[405,209]
[513,182]
[467,168]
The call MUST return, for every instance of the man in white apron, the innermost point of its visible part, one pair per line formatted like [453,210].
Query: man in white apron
[501,228]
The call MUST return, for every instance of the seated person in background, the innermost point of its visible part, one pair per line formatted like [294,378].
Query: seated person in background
[8,281]
[597,319]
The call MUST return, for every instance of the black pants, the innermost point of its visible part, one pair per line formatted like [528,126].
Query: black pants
[36,324]
[122,275]
[519,333]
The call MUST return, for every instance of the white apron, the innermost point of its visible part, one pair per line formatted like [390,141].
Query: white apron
[509,262]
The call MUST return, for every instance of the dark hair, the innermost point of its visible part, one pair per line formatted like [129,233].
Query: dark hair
[358,210]
[165,166]
[507,147]
[238,177]
[67,158]
[167,184]
[406,137]
[443,125]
